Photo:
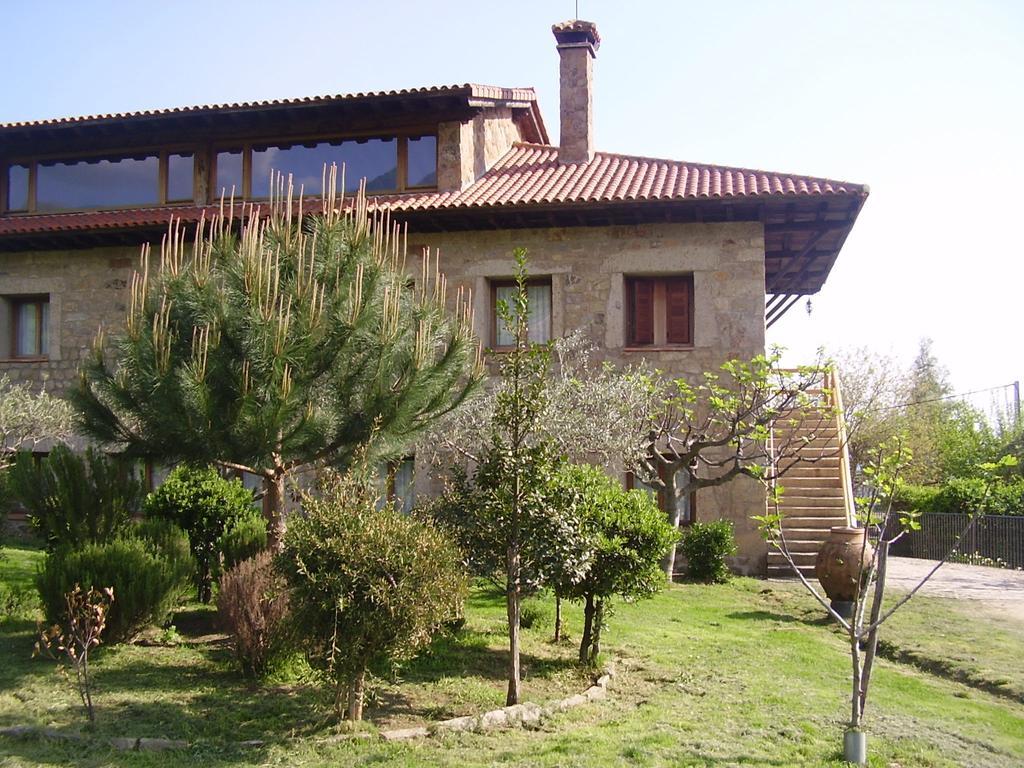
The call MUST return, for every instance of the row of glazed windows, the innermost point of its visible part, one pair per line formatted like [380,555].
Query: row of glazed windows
[389,164]
[659,313]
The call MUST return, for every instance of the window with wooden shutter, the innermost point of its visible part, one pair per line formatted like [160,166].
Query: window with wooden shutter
[678,292]
[659,311]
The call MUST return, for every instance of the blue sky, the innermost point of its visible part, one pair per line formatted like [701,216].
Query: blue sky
[921,100]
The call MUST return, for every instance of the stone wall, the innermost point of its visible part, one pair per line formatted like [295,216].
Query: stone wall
[466,150]
[86,287]
[587,267]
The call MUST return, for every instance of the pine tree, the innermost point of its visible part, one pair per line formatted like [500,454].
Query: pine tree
[290,342]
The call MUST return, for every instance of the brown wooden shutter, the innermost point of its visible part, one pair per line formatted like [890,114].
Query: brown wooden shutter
[678,303]
[641,301]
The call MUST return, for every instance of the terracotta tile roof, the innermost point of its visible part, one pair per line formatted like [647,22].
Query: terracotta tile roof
[529,175]
[469,90]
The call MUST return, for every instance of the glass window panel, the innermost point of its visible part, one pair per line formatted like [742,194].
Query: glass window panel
[44,330]
[374,159]
[17,188]
[405,485]
[27,329]
[97,184]
[179,177]
[539,319]
[229,174]
[422,162]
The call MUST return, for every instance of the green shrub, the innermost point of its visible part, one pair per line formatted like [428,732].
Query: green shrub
[705,546]
[149,579]
[965,495]
[17,602]
[204,504]
[368,586]
[243,538]
[915,498]
[253,603]
[536,612]
[625,537]
[74,499]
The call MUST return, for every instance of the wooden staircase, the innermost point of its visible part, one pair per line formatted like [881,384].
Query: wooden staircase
[817,494]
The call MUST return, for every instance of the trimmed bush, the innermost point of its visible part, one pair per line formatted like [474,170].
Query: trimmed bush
[204,504]
[74,499]
[368,586]
[253,604]
[149,579]
[705,546]
[626,536]
[243,538]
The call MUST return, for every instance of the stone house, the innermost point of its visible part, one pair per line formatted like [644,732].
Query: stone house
[680,264]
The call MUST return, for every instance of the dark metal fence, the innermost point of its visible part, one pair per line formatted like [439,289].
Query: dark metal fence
[992,537]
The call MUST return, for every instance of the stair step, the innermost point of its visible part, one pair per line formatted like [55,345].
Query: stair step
[792,483]
[831,497]
[802,521]
[823,468]
[804,545]
[786,572]
[800,558]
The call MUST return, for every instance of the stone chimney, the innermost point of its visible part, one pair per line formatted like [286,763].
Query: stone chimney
[578,42]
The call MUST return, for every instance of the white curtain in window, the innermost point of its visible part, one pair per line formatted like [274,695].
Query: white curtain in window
[28,330]
[44,338]
[539,319]
[405,485]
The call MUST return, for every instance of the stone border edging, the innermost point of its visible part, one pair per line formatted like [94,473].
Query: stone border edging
[525,715]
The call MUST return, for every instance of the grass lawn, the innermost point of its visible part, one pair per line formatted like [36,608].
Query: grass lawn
[740,674]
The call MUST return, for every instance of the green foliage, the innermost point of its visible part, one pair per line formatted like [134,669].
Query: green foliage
[205,505]
[536,614]
[17,602]
[243,537]
[253,603]
[623,538]
[73,499]
[971,495]
[368,585]
[27,418]
[149,576]
[297,341]
[705,546]
[625,534]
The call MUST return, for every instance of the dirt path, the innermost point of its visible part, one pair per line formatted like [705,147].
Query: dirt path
[998,591]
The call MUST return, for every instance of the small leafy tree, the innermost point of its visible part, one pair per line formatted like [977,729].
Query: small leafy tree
[84,619]
[28,418]
[368,585]
[283,347]
[74,499]
[707,434]
[508,518]
[627,537]
[877,513]
[204,505]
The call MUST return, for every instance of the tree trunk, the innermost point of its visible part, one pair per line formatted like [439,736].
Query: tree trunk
[595,643]
[672,502]
[588,629]
[355,696]
[558,619]
[876,610]
[205,581]
[273,509]
[512,597]
[855,709]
